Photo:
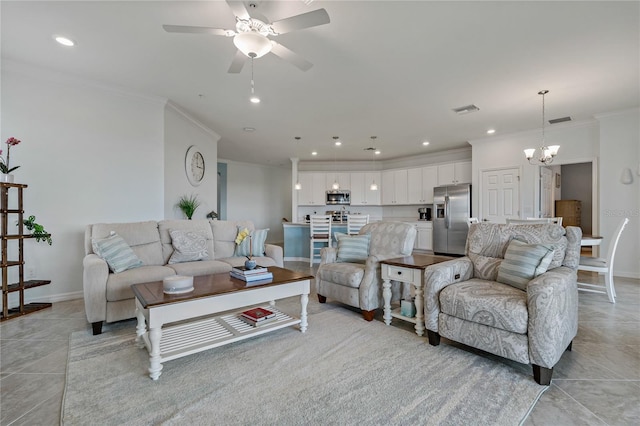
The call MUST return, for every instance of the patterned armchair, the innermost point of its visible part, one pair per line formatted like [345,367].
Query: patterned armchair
[465,302]
[360,284]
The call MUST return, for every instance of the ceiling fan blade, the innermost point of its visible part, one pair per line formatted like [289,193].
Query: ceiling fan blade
[299,22]
[238,62]
[195,30]
[290,56]
[238,9]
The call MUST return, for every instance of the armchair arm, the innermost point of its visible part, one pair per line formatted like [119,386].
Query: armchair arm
[328,255]
[552,301]
[94,282]
[274,252]
[437,277]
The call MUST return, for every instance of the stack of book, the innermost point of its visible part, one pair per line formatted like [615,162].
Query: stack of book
[259,273]
[258,316]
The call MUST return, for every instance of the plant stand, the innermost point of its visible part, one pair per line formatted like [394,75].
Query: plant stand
[5,236]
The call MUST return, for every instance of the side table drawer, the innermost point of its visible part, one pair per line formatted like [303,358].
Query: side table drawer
[397,273]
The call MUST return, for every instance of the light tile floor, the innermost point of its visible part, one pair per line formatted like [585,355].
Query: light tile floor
[598,383]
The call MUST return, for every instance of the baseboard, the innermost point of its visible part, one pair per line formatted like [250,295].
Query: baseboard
[52,298]
[625,274]
[297,259]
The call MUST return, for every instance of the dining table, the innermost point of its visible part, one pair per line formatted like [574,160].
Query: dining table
[590,240]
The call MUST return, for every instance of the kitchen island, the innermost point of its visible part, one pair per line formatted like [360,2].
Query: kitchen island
[296,237]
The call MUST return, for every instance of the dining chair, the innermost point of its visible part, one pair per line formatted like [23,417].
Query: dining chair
[604,266]
[319,232]
[471,220]
[526,221]
[355,222]
[556,220]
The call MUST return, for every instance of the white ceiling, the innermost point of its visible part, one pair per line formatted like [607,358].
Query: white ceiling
[387,68]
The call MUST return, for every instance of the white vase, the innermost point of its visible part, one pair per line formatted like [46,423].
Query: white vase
[7,178]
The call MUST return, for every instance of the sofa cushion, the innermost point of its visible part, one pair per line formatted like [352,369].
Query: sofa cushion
[119,285]
[116,252]
[523,262]
[142,237]
[353,248]
[200,226]
[188,246]
[487,302]
[346,274]
[224,234]
[201,267]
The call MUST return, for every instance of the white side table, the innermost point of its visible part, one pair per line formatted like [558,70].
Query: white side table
[408,269]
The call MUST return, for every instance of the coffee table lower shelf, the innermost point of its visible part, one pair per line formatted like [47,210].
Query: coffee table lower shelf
[186,338]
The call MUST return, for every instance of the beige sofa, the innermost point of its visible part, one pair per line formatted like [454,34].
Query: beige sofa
[108,296]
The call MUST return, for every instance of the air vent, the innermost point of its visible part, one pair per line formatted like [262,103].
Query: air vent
[370,149]
[466,109]
[559,120]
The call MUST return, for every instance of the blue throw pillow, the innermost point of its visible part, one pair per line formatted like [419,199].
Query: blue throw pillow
[522,262]
[353,249]
[116,252]
[258,238]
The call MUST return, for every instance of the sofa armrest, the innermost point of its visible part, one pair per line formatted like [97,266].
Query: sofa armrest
[328,255]
[274,252]
[552,301]
[95,273]
[437,277]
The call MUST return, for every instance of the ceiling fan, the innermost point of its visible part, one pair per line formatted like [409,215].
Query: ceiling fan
[251,35]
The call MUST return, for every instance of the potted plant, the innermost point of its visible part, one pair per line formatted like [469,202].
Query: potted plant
[188,204]
[5,168]
[37,230]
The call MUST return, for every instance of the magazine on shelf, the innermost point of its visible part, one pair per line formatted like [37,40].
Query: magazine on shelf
[258,323]
[258,314]
[245,271]
[255,277]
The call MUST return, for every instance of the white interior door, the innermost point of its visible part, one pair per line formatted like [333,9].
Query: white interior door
[546,192]
[500,195]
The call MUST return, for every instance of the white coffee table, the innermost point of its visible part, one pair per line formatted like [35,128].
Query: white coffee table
[199,329]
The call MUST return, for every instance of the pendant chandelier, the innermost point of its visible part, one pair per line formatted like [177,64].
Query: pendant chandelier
[547,153]
[374,185]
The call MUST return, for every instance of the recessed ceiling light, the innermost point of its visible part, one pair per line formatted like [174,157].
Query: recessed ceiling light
[249,129]
[254,99]
[491,131]
[377,152]
[314,153]
[338,143]
[425,143]
[64,41]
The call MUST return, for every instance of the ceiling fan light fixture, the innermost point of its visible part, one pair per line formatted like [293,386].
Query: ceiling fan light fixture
[252,44]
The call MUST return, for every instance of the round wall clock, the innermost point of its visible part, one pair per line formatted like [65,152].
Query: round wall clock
[194,165]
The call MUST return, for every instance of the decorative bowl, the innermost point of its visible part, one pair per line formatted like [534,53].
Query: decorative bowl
[177,284]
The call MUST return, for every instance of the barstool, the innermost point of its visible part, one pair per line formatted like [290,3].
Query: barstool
[319,232]
[355,222]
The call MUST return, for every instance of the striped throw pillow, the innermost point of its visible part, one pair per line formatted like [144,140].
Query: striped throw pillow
[116,252]
[258,239]
[522,262]
[354,249]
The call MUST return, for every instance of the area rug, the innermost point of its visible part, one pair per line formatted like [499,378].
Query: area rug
[342,371]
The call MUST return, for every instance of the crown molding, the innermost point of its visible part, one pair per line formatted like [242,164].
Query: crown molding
[175,107]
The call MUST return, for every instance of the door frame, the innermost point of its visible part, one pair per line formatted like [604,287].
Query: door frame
[495,169]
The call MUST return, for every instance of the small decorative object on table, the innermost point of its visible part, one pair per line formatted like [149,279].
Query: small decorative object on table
[242,235]
[177,284]
[5,168]
[408,308]
[258,316]
[188,204]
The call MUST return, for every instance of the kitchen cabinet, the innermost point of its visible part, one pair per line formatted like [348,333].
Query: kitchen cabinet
[343,179]
[361,193]
[454,173]
[394,187]
[424,237]
[420,184]
[313,191]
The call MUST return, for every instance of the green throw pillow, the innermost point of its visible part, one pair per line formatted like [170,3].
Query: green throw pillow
[116,252]
[522,262]
[354,249]
[258,238]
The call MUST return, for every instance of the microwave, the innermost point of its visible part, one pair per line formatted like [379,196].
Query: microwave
[338,197]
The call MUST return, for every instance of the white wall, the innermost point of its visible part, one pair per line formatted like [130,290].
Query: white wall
[261,194]
[610,140]
[180,132]
[89,154]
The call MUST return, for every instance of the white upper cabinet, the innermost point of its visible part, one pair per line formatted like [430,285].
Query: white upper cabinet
[313,191]
[454,173]
[394,187]
[420,184]
[343,179]
[361,193]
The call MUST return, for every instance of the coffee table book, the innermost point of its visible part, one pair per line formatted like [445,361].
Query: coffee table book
[259,323]
[255,277]
[258,314]
[245,271]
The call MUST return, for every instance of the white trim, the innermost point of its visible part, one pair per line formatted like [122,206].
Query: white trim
[197,123]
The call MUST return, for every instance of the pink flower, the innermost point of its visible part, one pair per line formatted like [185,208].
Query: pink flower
[4,165]
[13,141]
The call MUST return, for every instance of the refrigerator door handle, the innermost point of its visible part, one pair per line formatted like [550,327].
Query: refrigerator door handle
[447,218]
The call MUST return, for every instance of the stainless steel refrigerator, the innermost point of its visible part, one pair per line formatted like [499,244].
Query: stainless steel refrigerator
[451,208]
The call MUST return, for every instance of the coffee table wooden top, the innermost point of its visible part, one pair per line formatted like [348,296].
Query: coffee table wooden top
[152,294]
[417,261]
